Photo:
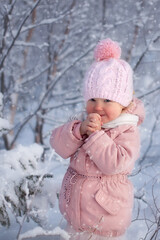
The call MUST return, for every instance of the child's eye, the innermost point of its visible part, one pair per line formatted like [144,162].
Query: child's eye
[107,100]
[92,100]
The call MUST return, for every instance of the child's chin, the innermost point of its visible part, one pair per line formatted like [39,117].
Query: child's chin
[104,121]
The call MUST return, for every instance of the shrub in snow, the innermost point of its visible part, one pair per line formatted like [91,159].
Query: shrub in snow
[23,184]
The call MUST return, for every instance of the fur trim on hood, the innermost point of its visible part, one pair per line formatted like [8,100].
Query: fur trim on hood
[137,108]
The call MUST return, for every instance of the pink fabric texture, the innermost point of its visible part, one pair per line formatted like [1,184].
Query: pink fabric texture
[96,195]
[109,77]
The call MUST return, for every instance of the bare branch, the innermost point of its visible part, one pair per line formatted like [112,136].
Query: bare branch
[17,34]
[150,92]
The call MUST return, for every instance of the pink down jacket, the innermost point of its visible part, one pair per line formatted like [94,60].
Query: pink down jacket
[96,195]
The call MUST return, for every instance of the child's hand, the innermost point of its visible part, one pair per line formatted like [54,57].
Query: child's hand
[91,124]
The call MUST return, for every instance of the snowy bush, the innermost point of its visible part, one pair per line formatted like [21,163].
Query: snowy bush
[23,184]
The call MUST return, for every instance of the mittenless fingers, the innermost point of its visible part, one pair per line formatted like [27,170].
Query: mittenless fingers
[93,125]
[94,117]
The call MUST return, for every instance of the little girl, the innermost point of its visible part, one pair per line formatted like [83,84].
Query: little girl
[103,144]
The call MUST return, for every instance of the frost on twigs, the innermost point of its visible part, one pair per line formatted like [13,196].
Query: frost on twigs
[21,182]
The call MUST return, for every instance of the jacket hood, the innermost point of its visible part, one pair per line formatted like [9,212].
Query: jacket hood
[137,108]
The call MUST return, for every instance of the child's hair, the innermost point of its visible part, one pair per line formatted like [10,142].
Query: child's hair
[109,77]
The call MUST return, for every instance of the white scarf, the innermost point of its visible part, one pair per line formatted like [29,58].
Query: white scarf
[124,118]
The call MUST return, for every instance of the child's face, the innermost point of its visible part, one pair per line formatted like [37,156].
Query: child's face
[108,110]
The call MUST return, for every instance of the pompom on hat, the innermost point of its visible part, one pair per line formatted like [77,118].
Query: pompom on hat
[109,77]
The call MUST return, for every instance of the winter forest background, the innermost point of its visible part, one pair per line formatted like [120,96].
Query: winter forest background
[45,48]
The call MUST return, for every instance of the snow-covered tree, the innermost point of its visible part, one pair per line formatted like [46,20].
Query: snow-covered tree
[5,126]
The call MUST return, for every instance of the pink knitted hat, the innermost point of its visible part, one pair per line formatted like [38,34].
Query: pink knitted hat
[109,77]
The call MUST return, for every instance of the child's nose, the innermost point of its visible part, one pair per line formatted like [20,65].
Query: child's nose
[98,106]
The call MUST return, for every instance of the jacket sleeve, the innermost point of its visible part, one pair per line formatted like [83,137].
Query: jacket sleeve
[113,156]
[66,139]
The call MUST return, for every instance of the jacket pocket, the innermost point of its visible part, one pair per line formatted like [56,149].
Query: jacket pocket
[110,203]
